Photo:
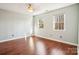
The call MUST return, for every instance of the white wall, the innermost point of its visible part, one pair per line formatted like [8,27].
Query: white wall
[14,23]
[70,33]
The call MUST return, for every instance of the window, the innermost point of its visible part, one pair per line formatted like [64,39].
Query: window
[41,24]
[58,22]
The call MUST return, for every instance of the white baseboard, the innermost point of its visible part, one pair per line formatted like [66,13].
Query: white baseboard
[58,40]
[18,37]
[13,38]
[42,37]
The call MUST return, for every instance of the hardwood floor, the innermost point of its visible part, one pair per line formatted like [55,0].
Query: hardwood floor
[13,47]
[36,46]
[53,47]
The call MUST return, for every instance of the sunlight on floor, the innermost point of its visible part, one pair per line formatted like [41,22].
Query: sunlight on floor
[40,48]
[31,43]
[57,51]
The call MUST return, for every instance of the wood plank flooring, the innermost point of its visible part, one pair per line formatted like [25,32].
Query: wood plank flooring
[36,46]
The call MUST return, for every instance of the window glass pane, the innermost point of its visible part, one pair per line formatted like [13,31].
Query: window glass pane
[59,22]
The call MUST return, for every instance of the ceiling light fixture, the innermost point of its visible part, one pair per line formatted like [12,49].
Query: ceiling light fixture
[30,8]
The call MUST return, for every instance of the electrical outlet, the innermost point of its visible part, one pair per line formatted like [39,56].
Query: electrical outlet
[60,36]
[12,35]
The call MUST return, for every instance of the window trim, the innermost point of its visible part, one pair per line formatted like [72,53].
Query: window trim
[54,22]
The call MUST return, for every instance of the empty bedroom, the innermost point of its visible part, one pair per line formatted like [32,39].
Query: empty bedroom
[39,28]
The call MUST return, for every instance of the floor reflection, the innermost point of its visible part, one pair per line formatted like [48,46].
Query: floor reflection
[40,48]
[57,51]
[36,46]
